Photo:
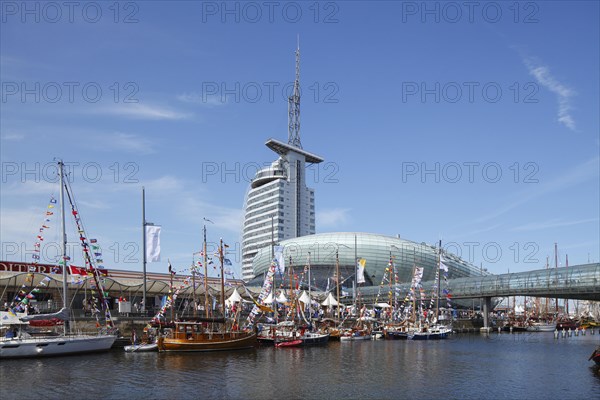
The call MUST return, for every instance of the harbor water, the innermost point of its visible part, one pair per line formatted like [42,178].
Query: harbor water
[465,366]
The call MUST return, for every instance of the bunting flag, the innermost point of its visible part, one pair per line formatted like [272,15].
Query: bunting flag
[264,293]
[443,266]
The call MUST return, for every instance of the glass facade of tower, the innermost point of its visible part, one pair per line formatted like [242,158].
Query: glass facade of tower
[278,205]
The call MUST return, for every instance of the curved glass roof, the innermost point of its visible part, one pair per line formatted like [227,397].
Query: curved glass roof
[376,249]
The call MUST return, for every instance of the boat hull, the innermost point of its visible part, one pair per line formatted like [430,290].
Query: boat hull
[596,357]
[393,335]
[311,338]
[428,336]
[353,338]
[209,342]
[55,346]
[540,327]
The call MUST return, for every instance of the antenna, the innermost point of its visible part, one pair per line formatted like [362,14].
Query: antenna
[294,105]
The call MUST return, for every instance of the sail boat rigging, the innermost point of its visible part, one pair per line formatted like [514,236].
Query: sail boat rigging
[22,344]
[206,333]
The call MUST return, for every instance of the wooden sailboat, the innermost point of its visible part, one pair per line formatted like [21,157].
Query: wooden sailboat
[19,343]
[206,333]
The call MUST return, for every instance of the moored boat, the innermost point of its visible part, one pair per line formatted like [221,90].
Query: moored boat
[595,356]
[541,327]
[198,336]
[434,332]
[18,342]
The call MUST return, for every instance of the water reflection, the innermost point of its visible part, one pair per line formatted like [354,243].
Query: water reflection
[465,366]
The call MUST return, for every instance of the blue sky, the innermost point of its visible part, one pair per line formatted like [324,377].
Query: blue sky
[479,127]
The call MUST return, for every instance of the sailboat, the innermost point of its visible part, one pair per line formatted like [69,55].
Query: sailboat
[433,330]
[207,333]
[17,342]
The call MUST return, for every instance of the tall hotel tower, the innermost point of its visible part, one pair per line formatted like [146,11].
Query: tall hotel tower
[279,206]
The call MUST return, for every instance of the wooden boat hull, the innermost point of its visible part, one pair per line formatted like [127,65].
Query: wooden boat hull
[209,342]
[55,346]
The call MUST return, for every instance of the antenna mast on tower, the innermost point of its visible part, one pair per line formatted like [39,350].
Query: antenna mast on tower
[294,106]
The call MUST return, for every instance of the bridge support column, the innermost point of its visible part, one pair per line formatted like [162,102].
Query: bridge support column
[487,308]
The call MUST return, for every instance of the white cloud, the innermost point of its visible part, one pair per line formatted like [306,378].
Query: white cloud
[13,136]
[203,99]
[554,223]
[27,186]
[332,218]
[129,143]
[143,111]
[542,74]
[576,175]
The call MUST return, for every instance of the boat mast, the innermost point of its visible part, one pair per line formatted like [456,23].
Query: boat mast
[392,299]
[221,257]
[309,292]
[63,240]
[556,269]
[337,277]
[567,281]
[144,249]
[277,267]
[439,281]
[205,273]
[291,293]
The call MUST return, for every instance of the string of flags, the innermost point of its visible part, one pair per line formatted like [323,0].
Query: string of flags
[21,299]
[92,256]
[264,293]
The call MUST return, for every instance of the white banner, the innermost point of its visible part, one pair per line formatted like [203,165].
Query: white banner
[278,250]
[360,270]
[152,243]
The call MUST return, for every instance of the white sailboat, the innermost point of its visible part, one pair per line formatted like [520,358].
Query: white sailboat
[17,342]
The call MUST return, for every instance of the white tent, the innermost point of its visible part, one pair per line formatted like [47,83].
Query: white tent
[329,301]
[234,298]
[281,298]
[269,299]
[304,298]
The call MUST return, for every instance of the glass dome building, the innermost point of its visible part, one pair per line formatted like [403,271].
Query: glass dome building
[325,248]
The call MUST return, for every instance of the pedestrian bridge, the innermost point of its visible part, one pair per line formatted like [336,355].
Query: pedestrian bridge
[578,282]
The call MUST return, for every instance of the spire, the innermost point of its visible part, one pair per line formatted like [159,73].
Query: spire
[294,106]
